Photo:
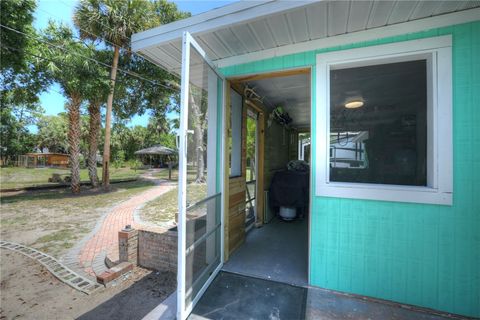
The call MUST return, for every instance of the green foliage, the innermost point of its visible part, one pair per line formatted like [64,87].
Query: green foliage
[167,12]
[113,20]
[21,76]
[127,140]
[119,159]
[134,164]
[16,14]
[15,138]
[70,63]
[52,133]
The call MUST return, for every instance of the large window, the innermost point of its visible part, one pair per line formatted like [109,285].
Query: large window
[378,123]
[385,122]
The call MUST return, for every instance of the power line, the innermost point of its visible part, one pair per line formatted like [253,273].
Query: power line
[86,31]
[133,74]
[60,63]
[103,25]
[107,41]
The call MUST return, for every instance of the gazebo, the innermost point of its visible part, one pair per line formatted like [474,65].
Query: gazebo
[157,155]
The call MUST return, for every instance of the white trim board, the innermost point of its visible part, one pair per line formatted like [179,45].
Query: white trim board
[355,37]
[440,155]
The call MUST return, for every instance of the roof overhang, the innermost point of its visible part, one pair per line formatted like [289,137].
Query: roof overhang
[251,30]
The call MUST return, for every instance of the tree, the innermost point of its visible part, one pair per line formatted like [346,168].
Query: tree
[21,77]
[198,121]
[97,90]
[70,66]
[52,133]
[114,21]
[15,138]
[18,15]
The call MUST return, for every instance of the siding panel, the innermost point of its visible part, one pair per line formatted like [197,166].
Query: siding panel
[418,254]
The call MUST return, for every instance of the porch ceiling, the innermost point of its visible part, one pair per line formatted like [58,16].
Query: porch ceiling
[251,26]
[290,92]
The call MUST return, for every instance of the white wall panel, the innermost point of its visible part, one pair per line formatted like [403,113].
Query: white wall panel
[380,13]
[425,9]
[317,20]
[359,13]
[298,22]
[263,34]
[215,44]
[402,11]
[278,26]
[337,17]
[230,40]
[246,36]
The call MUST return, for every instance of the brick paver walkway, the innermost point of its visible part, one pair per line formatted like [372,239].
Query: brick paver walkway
[105,240]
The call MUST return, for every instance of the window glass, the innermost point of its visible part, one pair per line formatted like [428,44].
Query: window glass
[378,124]
[236,134]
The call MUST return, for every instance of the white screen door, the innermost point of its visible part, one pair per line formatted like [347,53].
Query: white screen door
[200,219]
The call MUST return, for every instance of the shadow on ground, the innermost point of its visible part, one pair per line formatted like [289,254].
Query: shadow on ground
[54,194]
[136,301]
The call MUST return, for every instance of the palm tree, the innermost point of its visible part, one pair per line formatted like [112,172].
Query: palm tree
[94,130]
[68,67]
[114,22]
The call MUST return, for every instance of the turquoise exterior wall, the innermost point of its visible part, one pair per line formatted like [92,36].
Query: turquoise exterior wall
[425,255]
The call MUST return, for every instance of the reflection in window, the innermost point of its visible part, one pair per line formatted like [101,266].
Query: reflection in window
[378,126]
[236,134]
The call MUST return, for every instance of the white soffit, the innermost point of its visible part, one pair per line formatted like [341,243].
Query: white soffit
[252,30]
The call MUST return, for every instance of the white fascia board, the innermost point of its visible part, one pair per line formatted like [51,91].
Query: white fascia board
[360,36]
[237,13]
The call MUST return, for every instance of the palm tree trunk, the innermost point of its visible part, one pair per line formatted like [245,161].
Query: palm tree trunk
[198,132]
[74,141]
[94,111]
[108,119]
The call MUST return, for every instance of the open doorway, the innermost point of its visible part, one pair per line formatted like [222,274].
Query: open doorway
[276,152]
[251,172]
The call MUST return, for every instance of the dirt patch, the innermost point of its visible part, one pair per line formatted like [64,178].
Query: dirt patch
[29,291]
[53,221]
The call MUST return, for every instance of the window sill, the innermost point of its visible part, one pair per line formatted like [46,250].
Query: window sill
[396,193]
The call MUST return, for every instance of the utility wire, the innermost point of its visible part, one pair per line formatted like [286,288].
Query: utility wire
[134,74]
[63,64]
[107,41]
[127,49]
[103,25]
[113,44]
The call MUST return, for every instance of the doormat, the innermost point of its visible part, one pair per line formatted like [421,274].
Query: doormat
[233,296]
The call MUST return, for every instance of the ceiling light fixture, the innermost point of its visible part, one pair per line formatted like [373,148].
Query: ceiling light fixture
[354,104]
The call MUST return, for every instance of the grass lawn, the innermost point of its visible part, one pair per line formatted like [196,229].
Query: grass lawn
[14,177]
[163,209]
[163,174]
[54,220]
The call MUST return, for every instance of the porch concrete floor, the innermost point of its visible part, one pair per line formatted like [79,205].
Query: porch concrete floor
[277,251]
[232,296]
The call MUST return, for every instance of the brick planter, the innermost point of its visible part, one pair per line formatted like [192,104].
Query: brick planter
[150,249]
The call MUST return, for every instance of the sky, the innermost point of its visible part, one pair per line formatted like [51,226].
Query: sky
[62,10]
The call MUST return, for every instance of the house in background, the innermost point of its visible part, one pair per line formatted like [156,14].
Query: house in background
[394,83]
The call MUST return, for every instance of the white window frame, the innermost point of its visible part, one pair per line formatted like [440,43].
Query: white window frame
[438,52]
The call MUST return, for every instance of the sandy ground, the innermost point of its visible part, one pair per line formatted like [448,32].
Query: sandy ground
[54,220]
[29,291]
